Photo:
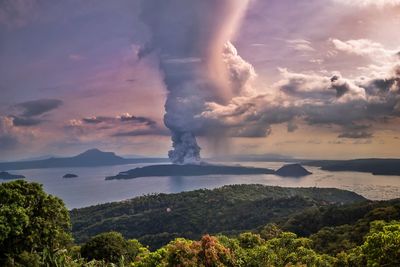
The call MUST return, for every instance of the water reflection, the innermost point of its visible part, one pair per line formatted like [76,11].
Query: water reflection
[91,188]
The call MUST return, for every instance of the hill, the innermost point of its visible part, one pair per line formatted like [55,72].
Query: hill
[374,166]
[157,219]
[89,158]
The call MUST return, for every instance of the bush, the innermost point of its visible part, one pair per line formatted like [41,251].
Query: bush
[31,221]
[111,247]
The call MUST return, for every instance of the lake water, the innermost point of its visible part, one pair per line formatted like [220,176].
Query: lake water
[91,187]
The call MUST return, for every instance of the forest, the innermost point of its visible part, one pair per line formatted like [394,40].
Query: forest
[157,219]
[291,227]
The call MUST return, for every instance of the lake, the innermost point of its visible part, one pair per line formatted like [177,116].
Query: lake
[91,188]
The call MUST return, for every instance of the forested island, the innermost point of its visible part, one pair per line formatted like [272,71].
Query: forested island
[9,176]
[188,170]
[241,225]
[373,166]
[70,175]
[290,170]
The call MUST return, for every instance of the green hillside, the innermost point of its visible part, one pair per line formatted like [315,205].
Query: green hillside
[157,219]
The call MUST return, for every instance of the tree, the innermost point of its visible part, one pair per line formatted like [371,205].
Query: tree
[270,231]
[382,244]
[111,247]
[31,221]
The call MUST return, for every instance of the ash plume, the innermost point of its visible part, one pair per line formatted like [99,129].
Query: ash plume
[191,39]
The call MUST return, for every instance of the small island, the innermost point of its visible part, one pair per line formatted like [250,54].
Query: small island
[189,170]
[9,176]
[70,175]
[292,170]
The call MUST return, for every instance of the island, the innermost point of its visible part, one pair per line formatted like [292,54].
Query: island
[373,166]
[189,170]
[70,175]
[9,176]
[292,170]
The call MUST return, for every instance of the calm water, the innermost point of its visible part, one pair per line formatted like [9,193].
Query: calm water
[91,188]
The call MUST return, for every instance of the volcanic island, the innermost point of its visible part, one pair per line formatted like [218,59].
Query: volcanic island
[203,169]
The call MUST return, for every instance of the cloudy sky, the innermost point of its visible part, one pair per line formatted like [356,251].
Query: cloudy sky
[311,79]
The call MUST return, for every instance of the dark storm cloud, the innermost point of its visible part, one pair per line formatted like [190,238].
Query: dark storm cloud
[356,135]
[380,85]
[125,125]
[25,121]
[125,118]
[292,127]
[97,120]
[31,113]
[143,132]
[38,107]
[131,118]
[356,132]
[341,88]
[316,100]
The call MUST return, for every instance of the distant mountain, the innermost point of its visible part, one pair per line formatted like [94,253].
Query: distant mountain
[373,166]
[89,158]
[38,158]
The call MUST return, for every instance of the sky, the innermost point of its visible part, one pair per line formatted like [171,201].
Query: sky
[309,79]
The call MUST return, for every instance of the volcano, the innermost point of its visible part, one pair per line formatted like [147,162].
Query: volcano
[189,170]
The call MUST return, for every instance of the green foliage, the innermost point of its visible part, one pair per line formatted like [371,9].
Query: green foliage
[111,247]
[270,231]
[335,239]
[34,232]
[382,244]
[208,252]
[31,222]
[157,219]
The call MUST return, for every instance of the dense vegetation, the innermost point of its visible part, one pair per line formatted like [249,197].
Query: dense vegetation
[34,231]
[157,219]
[31,222]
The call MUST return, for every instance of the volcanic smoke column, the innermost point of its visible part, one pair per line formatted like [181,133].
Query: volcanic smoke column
[189,37]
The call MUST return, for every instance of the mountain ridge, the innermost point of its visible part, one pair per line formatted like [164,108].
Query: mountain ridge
[89,158]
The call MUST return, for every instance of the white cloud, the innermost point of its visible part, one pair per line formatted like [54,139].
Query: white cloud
[300,45]
[365,3]
[364,47]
